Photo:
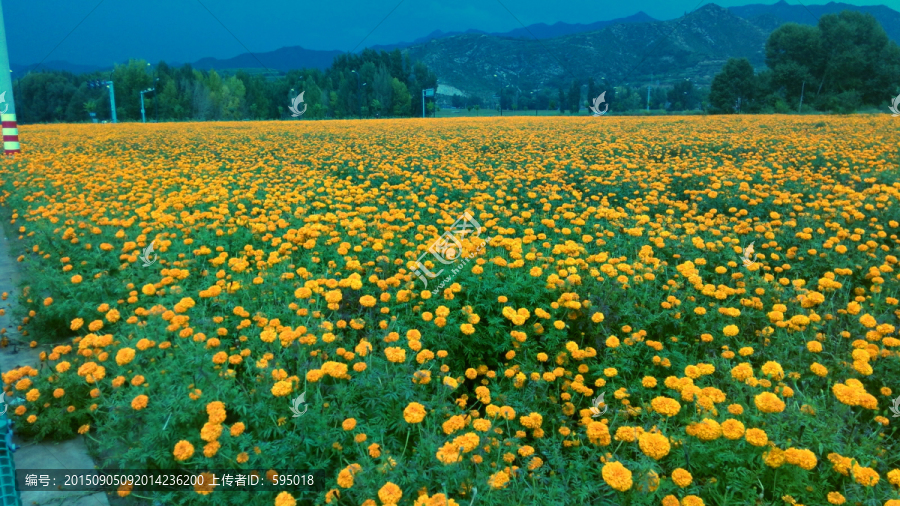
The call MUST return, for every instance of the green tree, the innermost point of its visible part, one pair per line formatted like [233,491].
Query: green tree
[184,93]
[402,99]
[313,99]
[169,103]
[39,95]
[795,55]
[682,96]
[129,80]
[382,90]
[859,56]
[334,104]
[574,97]
[232,99]
[794,43]
[421,79]
[256,97]
[74,110]
[592,92]
[734,88]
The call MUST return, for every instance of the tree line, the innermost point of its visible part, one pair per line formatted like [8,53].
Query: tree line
[369,84]
[845,63]
[580,94]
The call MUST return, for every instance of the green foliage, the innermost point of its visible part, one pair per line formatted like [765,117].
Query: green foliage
[845,63]
[734,88]
[185,94]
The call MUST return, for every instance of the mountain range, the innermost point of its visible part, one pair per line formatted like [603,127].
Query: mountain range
[625,50]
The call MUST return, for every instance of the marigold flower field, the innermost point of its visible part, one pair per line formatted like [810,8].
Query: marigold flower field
[619,263]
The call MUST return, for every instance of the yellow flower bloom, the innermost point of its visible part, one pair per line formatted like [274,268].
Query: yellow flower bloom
[617,476]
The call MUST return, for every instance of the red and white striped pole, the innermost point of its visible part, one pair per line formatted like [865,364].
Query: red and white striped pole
[8,105]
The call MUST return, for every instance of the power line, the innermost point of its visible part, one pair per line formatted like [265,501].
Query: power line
[66,37]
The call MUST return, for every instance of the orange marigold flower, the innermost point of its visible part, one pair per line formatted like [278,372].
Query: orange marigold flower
[390,493]
[802,458]
[183,450]
[732,429]
[210,432]
[124,356]
[285,499]
[767,402]
[216,411]
[836,498]
[139,402]
[692,500]
[395,354]
[498,480]
[682,477]
[654,445]
[865,476]
[665,406]
[282,388]
[414,413]
[616,476]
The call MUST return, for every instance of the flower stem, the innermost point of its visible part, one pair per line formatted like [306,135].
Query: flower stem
[407,442]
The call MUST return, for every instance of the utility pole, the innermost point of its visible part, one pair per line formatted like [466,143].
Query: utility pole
[800,109]
[428,92]
[112,94]
[143,116]
[8,107]
[648,92]
[112,100]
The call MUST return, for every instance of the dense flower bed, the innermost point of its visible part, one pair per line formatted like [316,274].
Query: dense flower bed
[730,285]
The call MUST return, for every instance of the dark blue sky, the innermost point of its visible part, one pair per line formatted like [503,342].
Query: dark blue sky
[184,31]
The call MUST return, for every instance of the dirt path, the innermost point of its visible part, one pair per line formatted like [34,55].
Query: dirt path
[71,454]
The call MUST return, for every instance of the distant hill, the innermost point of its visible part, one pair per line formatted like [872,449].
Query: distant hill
[538,30]
[543,31]
[56,65]
[770,17]
[694,46]
[625,50]
[284,59]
